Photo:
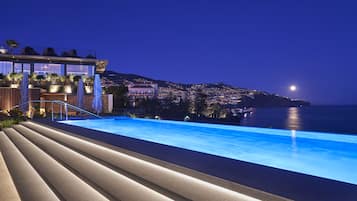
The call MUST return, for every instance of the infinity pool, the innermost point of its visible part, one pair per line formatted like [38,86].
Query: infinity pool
[332,156]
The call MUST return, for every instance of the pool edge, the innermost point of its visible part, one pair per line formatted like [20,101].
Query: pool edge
[295,185]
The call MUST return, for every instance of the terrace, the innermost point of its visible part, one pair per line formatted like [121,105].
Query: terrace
[52,77]
[125,159]
[124,165]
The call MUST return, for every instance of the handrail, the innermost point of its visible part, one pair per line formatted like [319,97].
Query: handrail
[65,104]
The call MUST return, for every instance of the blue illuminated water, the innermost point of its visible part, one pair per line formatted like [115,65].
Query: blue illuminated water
[332,156]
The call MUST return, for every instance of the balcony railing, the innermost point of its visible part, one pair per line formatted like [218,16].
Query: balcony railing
[64,108]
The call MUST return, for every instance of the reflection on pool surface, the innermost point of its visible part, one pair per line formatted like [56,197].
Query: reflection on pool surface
[332,156]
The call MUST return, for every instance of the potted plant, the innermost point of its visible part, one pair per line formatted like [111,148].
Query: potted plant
[88,87]
[55,81]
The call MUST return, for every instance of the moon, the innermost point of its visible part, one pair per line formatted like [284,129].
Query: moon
[293,88]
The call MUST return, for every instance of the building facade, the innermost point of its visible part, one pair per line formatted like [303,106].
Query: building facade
[43,65]
[139,91]
[60,71]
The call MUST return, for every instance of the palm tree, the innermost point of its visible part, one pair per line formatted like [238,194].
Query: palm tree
[12,44]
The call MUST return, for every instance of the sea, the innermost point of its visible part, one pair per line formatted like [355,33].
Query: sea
[331,119]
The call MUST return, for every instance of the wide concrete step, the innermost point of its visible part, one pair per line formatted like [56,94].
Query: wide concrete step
[62,181]
[174,182]
[28,182]
[116,187]
[109,182]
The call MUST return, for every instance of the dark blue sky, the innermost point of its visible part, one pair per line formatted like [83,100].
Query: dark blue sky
[265,45]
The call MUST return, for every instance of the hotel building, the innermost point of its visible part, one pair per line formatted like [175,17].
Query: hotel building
[61,66]
[43,65]
[142,90]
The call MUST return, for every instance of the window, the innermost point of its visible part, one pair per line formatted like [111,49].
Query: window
[43,69]
[22,67]
[27,68]
[18,68]
[80,70]
[5,67]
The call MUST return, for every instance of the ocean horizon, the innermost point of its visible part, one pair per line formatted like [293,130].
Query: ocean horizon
[320,118]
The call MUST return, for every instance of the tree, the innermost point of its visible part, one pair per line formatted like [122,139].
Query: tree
[199,103]
[49,52]
[29,51]
[12,44]
[179,110]
[183,107]
[64,54]
[216,110]
[169,101]
[151,106]
[70,53]
[120,98]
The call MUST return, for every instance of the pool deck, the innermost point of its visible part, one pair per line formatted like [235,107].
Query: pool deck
[284,183]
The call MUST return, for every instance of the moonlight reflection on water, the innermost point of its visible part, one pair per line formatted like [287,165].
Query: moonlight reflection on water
[335,119]
[293,119]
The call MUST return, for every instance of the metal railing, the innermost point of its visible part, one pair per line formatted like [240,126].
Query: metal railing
[66,106]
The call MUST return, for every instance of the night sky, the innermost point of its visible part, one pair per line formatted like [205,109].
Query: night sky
[264,45]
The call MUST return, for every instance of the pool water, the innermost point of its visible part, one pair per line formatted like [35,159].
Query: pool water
[332,156]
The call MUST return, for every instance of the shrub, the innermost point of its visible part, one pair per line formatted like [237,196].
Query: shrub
[7,123]
[3,116]
[13,117]
[40,77]
[17,114]
[77,78]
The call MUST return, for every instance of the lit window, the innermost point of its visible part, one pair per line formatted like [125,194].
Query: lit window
[5,67]
[43,69]
[80,70]
[27,68]
[18,68]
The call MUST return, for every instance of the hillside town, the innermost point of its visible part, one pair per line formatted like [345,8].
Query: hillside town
[218,93]
[209,100]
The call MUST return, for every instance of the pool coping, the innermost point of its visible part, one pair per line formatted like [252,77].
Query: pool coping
[315,135]
[284,183]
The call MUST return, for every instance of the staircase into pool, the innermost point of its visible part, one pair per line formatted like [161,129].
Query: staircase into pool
[48,164]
